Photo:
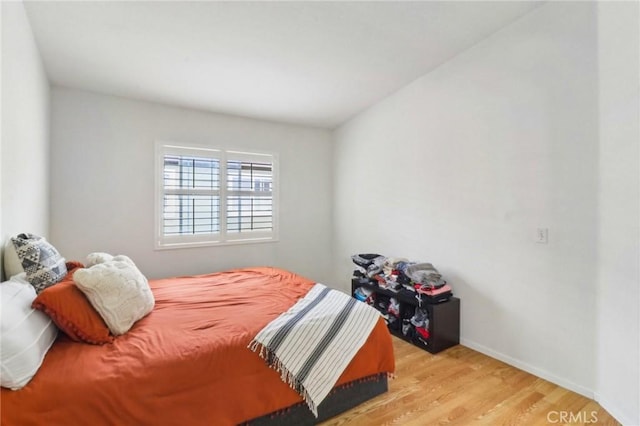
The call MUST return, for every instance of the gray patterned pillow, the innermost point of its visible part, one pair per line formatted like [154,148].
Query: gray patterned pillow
[41,261]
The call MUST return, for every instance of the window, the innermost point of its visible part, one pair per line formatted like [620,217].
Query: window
[209,196]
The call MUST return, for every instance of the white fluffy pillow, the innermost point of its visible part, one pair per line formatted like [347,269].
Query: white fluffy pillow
[101,257]
[118,291]
[25,333]
[97,258]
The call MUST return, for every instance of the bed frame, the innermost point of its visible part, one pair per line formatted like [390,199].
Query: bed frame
[341,399]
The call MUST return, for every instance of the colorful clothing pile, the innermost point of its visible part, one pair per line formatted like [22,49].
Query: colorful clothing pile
[397,274]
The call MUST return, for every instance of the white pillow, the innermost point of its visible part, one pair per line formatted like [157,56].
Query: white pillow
[12,264]
[101,257]
[97,258]
[26,334]
[118,291]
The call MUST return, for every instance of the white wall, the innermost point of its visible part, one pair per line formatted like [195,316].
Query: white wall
[102,183]
[618,322]
[25,129]
[460,167]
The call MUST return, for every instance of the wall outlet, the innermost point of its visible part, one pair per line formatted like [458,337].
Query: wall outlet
[542,235]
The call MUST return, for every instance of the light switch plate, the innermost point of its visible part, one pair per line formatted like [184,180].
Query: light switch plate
[542,235]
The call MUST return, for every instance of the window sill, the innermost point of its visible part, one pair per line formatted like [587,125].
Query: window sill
[197,244]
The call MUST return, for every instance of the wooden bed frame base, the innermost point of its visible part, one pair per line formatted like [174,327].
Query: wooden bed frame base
[338,401]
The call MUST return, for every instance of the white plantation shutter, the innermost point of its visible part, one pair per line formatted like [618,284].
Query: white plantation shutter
[249,195]
[208,196]
[191,195]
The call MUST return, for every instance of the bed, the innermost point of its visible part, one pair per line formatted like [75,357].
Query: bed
[187,362]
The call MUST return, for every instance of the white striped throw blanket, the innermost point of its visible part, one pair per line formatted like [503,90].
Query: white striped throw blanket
[312,343]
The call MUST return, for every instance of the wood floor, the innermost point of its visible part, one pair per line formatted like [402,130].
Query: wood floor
[462,387]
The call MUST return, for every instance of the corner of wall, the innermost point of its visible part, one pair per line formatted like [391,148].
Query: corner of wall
[618,295]
[25,128]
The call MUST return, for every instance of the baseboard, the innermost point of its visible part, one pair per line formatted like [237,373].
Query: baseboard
[617,414]
[529,369]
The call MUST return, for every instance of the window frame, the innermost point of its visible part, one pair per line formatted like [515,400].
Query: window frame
[223,237]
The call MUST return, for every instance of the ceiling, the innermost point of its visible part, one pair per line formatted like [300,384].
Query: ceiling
[309,63]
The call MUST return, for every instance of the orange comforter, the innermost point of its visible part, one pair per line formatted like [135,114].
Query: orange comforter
[186,363]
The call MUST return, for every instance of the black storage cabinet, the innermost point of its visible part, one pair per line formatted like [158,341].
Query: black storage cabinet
[444,318]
